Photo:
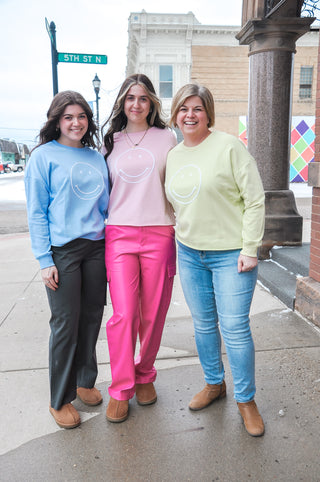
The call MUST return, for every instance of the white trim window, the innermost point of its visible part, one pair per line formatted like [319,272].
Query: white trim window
[165,81]
[305,85]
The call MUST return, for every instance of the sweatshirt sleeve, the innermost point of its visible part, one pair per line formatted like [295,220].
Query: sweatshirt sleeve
[38,199]
[251,190]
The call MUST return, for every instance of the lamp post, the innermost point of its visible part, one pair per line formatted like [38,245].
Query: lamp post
[96,85]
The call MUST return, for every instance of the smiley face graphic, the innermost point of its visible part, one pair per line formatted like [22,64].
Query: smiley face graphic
[135,165]
[86,181]
[184,186]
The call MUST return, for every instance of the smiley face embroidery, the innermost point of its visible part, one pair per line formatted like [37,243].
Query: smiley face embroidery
[86,181]
[184,186]
[135,165]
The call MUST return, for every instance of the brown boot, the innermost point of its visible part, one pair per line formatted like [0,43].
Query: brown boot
[66,417]
[117,410]
[209,394]
[252,419]
[89,396]
[146,393]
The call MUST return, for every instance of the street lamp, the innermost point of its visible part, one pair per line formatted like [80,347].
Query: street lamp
[96,85]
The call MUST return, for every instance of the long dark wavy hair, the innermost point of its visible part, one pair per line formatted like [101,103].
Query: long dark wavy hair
[50,131]
[117,120]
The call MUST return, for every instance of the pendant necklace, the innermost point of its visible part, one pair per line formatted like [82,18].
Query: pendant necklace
[135,144]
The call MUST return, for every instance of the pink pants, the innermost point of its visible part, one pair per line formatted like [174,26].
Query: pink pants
[141,264]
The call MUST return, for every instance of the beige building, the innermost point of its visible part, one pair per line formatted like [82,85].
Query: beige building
[174,49]
[224,70]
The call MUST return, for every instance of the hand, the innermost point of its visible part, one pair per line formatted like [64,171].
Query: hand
[50,277]
[246,263]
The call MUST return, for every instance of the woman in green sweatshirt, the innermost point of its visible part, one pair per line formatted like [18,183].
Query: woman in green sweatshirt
[216,191]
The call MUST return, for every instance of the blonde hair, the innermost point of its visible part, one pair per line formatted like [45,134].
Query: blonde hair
[191,90]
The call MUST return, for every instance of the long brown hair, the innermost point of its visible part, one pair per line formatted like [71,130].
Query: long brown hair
[50,131]
[117,120]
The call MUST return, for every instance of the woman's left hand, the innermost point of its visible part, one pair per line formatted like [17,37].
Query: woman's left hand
[246,263]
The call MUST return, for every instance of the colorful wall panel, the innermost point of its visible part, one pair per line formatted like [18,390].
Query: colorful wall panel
[302,145]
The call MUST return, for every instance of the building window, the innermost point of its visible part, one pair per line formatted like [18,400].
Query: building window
[305,87]
[166,81]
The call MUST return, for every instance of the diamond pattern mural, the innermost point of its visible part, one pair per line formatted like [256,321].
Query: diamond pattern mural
[302,145]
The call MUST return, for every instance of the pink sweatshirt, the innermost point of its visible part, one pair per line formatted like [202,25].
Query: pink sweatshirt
[137,176]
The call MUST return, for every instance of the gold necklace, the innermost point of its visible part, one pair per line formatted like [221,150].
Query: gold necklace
[135,144]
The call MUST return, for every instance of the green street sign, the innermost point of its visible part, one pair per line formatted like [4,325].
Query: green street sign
[82,58]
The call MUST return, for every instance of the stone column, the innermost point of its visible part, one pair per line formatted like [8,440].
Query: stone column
[271,47]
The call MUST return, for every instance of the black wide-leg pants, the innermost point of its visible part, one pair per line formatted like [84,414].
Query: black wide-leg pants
[76,314]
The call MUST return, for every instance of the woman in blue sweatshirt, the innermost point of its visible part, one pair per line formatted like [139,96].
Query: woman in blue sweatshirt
[66,183]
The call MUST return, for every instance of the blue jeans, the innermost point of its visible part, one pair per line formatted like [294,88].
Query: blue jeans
[218,295]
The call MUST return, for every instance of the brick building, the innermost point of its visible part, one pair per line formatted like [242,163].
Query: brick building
[308,289]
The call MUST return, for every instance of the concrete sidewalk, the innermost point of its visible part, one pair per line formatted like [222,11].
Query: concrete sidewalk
[165,441]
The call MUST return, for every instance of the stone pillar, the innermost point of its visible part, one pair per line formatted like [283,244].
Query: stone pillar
[271,47]
[308,289]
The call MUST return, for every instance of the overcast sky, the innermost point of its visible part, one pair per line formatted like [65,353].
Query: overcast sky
[82,26]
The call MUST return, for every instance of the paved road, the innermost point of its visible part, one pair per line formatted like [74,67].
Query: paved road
[13,215]
[13,221]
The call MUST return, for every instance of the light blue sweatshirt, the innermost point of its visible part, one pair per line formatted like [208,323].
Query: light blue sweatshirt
[67,192]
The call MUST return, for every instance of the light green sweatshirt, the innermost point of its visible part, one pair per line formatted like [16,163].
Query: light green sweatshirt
[217,194]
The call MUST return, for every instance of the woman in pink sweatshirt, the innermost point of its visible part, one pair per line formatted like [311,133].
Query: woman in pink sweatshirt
[140,244]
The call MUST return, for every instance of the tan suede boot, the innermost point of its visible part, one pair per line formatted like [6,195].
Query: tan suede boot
[209,394]
[146,393]
[252,419]
[89,396]
[66,417]
[117,410]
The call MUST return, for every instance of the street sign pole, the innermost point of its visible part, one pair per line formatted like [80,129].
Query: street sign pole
[51,29]
[54,59]
[68,57]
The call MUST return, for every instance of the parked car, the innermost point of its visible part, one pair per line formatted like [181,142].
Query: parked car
[7,166]
[17,167]
[11,167]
